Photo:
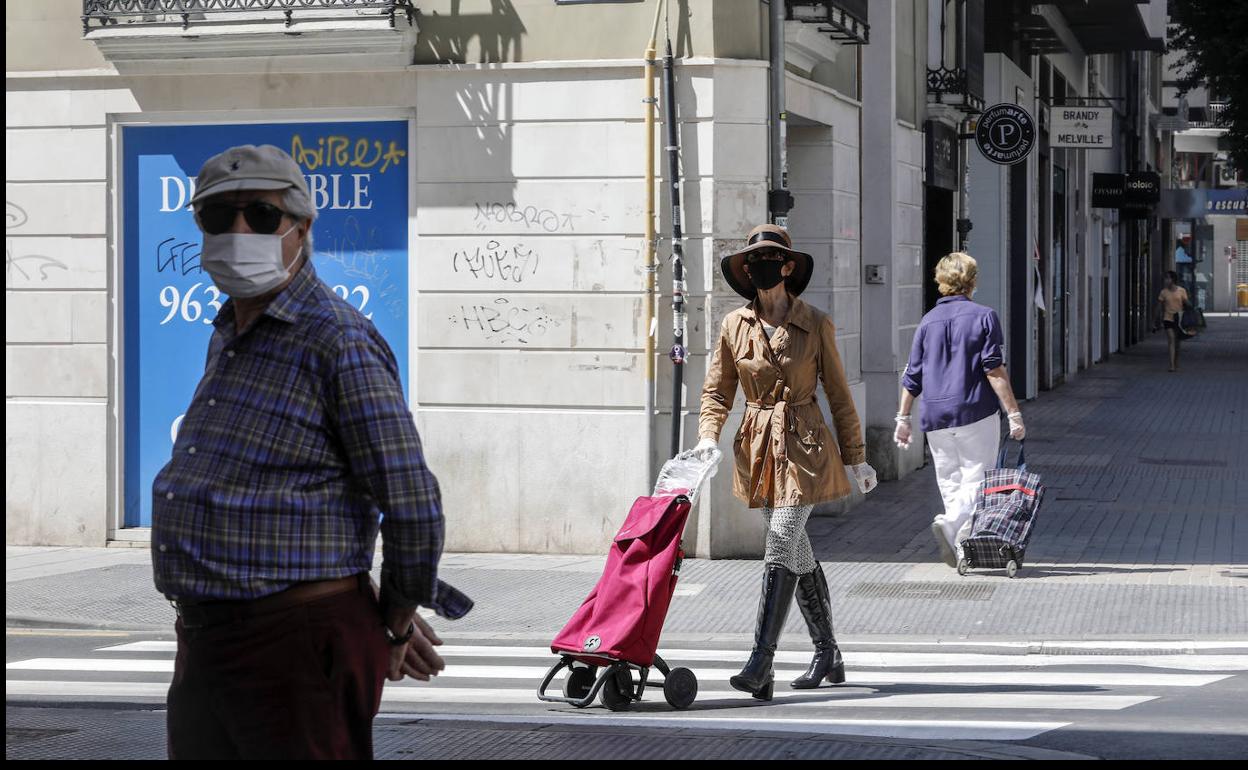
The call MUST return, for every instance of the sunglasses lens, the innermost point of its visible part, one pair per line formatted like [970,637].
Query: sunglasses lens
[217,219]
[263,218]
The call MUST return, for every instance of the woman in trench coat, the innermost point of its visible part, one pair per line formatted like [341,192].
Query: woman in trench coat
[778,349]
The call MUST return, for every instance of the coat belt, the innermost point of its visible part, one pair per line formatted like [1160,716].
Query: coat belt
[774,445]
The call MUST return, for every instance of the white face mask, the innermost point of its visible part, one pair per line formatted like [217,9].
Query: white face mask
[245,264]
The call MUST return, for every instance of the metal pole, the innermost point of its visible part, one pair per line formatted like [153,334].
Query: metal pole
[779,201]
[651,264]
[678,353]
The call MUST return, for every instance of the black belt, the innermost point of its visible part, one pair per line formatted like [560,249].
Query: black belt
[195,614]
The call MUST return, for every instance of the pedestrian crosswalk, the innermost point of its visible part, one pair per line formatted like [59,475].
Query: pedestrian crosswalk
[928,694]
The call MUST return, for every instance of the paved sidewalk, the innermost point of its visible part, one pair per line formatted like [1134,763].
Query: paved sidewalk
[1143,533]
[1146,471]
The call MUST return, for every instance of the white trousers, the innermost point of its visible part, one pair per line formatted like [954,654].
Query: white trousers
[962,456]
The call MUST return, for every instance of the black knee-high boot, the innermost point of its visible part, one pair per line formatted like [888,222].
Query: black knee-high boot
[816,605]
[757,677]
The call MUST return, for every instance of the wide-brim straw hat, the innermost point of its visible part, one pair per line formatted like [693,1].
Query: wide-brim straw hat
[763,237]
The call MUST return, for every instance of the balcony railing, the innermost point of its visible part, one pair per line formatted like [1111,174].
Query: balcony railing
[845,21]
[103,13]
[952,86]
[1217,115]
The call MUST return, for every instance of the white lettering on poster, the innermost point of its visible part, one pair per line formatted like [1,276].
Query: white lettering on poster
[191,310]
[185,191]
[329,191]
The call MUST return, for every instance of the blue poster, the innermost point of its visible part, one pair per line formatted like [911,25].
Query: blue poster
[358,175]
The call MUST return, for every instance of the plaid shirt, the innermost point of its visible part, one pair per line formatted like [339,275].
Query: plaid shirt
[298,438]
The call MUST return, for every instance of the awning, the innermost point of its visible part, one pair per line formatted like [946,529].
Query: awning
[1198,140]
[1109,26]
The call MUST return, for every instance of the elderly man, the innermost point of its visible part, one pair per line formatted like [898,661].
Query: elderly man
[296,443]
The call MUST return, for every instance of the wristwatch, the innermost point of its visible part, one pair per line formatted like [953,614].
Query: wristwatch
[396,640]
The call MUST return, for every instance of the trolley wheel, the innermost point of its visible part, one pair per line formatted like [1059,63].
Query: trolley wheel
[616,695]
[962,566]
[580,681]
[680,688]
[1011,568]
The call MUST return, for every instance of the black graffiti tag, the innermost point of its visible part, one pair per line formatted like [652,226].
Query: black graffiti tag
[503,322]
[511,263]
[529,216]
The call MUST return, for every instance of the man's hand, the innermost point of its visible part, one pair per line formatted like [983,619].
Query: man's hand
[417,658]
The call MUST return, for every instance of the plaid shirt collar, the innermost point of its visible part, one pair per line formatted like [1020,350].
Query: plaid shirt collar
[284,307]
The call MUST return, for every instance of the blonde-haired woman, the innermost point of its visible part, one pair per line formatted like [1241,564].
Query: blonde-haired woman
[957,362]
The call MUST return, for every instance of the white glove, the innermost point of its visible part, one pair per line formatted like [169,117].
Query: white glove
[865,476]
[1017,431]
[903,432]
[706,445]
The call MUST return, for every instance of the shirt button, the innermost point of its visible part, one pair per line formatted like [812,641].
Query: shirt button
[164,548]
[168,495]
[229,353]
[191,451]
[212,402]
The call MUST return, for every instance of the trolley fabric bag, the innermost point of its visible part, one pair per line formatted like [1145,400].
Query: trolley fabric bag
[623,616]
[1005,511]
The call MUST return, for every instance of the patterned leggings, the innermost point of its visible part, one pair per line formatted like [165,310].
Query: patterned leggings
[787,542]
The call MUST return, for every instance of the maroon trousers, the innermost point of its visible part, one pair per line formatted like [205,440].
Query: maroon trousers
[300,683]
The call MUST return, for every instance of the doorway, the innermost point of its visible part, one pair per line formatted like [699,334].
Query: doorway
[938,238]
[1057,269]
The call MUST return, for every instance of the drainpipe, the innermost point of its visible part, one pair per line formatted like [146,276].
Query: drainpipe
[779,201]
[651,264]
[679,319]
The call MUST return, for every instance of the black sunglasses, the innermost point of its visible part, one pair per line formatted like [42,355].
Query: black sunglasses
[766,255]
[263,218]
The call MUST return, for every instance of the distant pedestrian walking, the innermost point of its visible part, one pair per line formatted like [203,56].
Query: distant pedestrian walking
[1171,303]
[779,349]
[265,520]
[957,363]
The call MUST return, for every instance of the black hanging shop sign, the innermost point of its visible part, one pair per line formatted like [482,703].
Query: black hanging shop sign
[1108,191]
[1005,133]
[1134,195]
[1143,187]
[942,155]
[1141,192]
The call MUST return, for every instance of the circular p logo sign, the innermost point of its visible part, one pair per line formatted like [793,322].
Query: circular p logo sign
[1005,134]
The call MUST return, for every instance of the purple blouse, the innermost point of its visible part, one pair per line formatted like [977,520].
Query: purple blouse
[956,344]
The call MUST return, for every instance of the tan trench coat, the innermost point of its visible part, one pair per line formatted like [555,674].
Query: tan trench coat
[785,453]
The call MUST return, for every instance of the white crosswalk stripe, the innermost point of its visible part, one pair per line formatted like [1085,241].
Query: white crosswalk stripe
[919,694]
[861,676]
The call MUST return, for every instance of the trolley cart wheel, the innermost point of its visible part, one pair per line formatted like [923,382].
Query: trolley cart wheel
[962,566]
[580,681]
[680,688]
[1011,568]
[617,695]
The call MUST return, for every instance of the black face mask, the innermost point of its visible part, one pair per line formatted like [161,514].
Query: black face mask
[765,274]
